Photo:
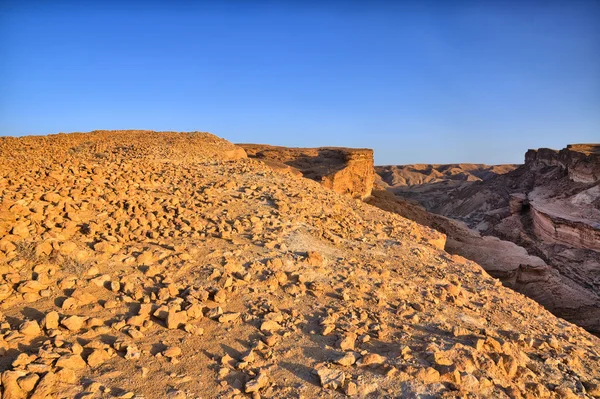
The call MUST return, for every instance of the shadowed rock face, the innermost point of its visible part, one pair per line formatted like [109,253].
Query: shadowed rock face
[344,170]
[551,207]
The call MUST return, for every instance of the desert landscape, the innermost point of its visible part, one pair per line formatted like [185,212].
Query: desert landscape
[140,264]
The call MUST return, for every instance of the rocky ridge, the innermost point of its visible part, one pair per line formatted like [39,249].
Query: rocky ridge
[418,174]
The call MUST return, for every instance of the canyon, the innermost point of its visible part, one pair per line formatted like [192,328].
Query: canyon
[512,220]
[550,206]
[141,264]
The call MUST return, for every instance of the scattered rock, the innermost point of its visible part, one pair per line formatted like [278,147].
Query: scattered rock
[331,378]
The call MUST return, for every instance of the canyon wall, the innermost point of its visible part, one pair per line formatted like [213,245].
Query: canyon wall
[582,161]
[560,230]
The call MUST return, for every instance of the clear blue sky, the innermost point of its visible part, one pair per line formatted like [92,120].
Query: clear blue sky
[428,82]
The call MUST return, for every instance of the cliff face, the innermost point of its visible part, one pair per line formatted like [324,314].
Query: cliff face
[560,230]
[581,161]
[345,170]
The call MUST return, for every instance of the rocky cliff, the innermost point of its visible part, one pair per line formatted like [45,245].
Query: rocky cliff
[556,228]
[344,170]
[581,161]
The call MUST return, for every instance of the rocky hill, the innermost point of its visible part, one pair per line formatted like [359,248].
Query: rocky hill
[166,265]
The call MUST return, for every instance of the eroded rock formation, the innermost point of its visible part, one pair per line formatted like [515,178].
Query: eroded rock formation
[344,170]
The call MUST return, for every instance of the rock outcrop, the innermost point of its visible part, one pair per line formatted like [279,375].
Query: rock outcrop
[344,170]
[510,263]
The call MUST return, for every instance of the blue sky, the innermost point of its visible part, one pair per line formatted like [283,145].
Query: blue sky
[419,82]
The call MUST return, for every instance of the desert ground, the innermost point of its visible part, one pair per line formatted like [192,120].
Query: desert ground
[138,264]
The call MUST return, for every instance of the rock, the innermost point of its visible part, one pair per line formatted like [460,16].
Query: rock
[214,313]
[68,248]
[270,326]
[348,358]
[30,328]
[371,359]
[21,230]
[28,382]
[73,323]
[7,246]
[5,291]
[97,357]
[220,296]
[132,352]
[331,378]
[45,387]
[107,247]
[259,382]
[442,359]
[145,258]
[10,385]
[176,319]
[73,362]
[314,259]
[428,375]
[351,389]
[347,341]
[31,286]
[228,317]
[43,249]
[173,351]
[23,360]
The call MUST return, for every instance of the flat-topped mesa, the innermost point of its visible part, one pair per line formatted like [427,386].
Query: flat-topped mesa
[345,170]
[582,161]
